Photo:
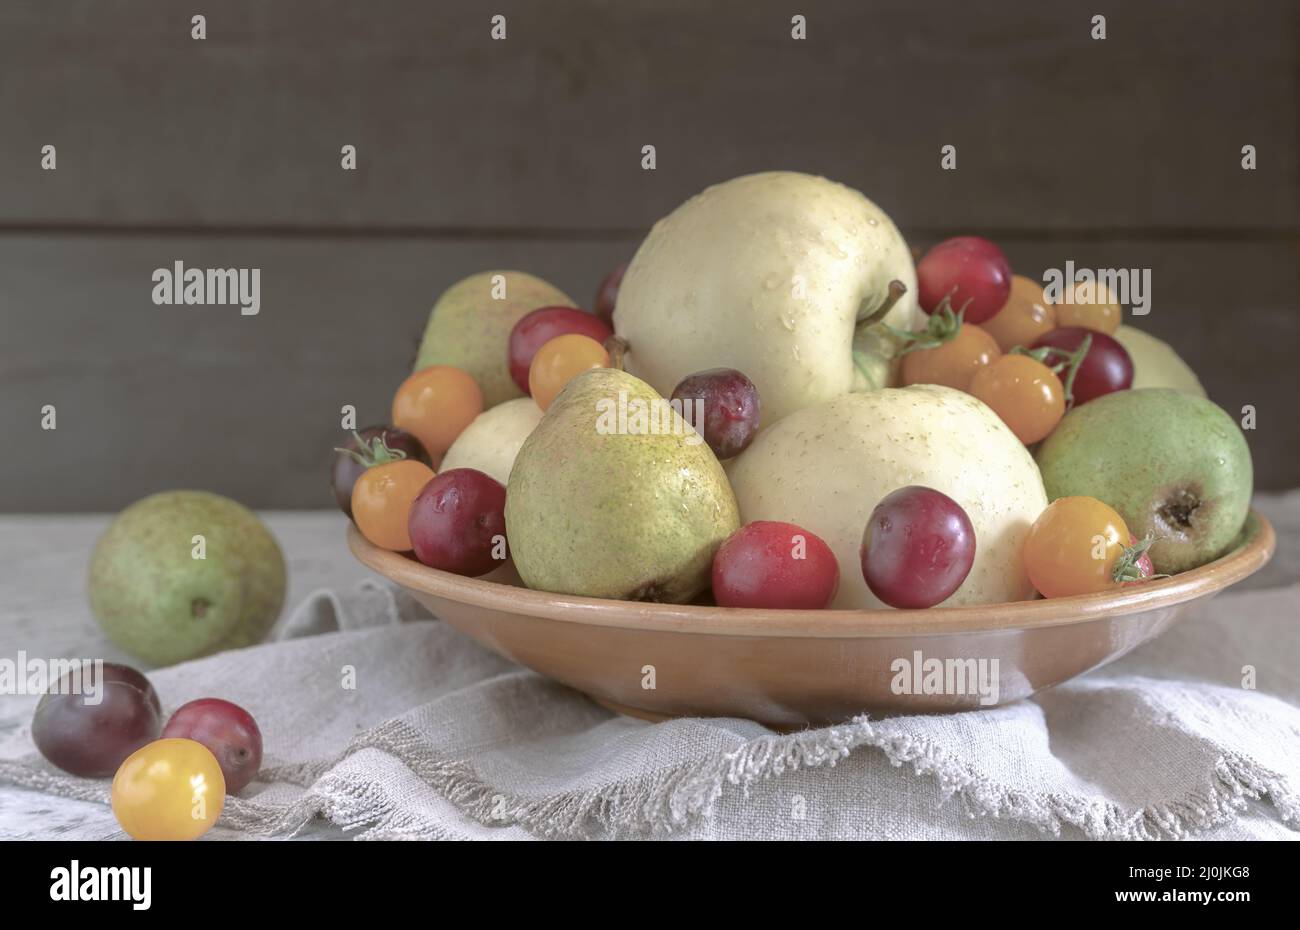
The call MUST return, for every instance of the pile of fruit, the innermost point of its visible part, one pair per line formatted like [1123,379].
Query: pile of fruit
[176,576]
[775,406]
[169,781]
[772,406]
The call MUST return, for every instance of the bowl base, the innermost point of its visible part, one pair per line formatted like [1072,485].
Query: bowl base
[650,716]
[793,669]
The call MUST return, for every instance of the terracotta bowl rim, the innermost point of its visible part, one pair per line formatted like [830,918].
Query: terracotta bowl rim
[1255,547]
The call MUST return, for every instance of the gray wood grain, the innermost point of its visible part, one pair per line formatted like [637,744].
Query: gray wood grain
[525,153]
[152,397]
[543,131]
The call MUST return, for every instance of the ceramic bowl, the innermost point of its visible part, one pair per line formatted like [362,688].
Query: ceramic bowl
[790,669]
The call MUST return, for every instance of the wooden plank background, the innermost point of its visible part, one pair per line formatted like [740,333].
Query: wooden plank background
[525,153]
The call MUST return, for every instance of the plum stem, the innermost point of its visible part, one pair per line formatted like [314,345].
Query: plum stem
[372,455]
[1070,362]
[1126,566]
[943,326]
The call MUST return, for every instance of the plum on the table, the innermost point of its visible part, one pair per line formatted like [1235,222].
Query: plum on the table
[89,733]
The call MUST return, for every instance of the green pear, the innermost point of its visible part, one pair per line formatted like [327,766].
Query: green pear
[779,275]
[469,327]
[1156,364]
[184,574]
[1175,466]
[615,495]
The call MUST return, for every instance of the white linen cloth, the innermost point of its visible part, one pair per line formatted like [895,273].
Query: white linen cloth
[442,739]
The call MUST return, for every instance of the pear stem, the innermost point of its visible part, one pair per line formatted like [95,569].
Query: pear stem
[617,347]
[895,293]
